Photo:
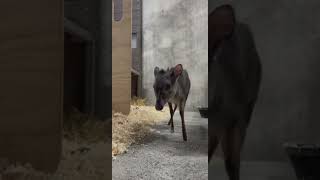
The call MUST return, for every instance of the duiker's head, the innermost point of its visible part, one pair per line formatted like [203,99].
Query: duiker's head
[164,84]
[221,24]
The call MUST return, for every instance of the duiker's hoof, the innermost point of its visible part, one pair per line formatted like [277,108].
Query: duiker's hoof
[184,138]
[172,130]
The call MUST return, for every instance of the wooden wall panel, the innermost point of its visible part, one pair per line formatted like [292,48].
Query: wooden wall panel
[121,61]
[31,72]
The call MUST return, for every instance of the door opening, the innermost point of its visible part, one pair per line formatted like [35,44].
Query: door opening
[74,72]
[134,85]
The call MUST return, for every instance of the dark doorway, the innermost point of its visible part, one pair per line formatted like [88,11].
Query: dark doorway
[134,85]
[74,72]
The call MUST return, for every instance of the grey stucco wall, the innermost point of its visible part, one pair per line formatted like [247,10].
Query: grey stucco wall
[175,31]
[287,35]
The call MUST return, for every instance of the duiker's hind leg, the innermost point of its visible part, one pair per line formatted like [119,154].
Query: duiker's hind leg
[172,111]
[181,109]
[231,144]
[213,144]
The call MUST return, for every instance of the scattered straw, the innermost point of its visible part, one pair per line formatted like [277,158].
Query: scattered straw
[93,164]
[85,154]
[132,128]
[137,101]
[80,127]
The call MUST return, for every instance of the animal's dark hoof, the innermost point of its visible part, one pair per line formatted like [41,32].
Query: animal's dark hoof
[185,139]
[172,130]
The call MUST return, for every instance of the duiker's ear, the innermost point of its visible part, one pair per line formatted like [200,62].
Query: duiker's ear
[156,70]
[222,22]
[178,70]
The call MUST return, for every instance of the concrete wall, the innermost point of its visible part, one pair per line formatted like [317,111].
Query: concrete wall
[31,90]
[287,35]
[83,12]
[121,60]
[137,52]
[175,31]
[137,28]
[94,17]
[104,65]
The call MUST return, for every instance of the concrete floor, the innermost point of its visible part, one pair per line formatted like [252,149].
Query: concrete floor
[254,171]
[164,155]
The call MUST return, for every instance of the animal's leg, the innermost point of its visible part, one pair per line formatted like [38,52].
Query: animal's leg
[174,110]
[213,144]
[171,113]
[184,133]
[250,108]
[232,144]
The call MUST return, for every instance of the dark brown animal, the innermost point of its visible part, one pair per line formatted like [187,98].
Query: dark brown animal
[172,86]
[234,81]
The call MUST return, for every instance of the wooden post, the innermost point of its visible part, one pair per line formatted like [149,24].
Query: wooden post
[121,59]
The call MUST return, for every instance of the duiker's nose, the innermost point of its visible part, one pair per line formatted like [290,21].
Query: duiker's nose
[159,105]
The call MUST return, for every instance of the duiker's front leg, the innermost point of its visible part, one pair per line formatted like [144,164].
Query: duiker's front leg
[231,145]
[213,144]
[172,111]
[184,133]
